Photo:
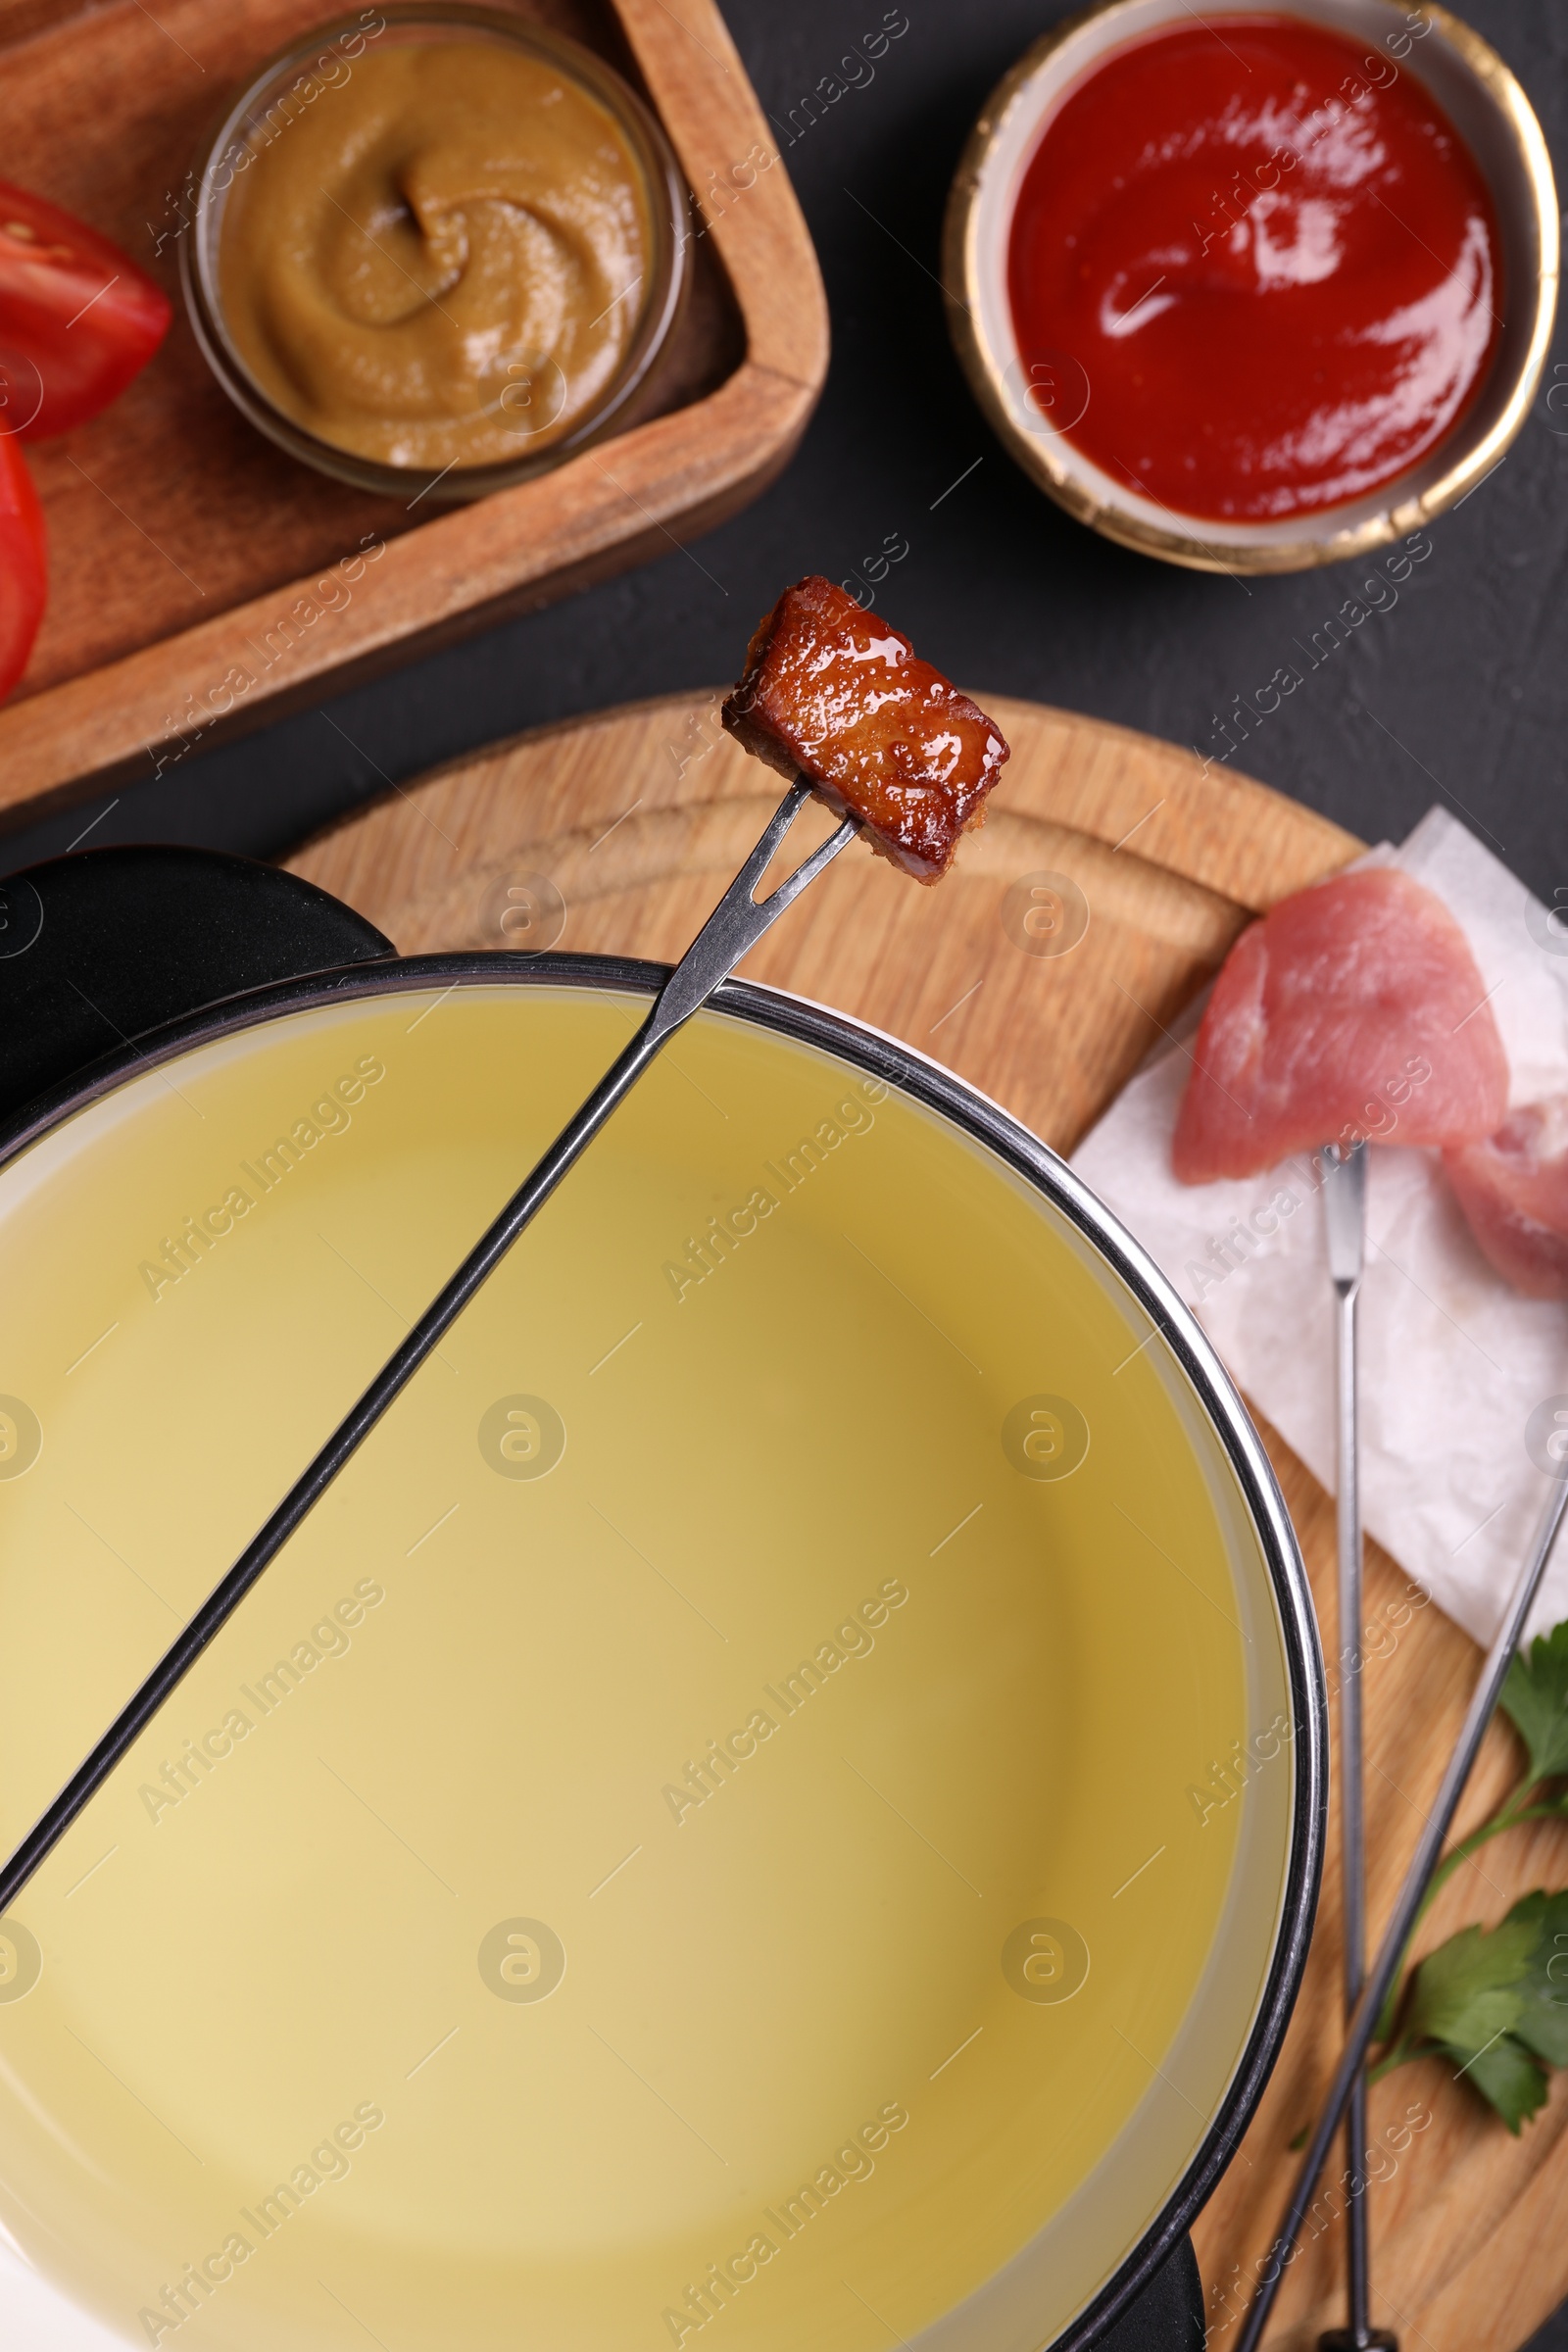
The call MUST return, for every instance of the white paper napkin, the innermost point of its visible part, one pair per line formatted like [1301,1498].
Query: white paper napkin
[1453,1362]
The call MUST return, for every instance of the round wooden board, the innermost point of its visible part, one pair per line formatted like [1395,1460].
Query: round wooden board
[637,818]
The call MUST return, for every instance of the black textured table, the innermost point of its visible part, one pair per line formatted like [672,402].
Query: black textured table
[1457,692]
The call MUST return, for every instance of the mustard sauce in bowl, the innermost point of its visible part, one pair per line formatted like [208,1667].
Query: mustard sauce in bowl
[450,255]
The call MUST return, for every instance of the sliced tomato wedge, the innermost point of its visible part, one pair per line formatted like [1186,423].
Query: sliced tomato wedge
[78,317]
[24,564]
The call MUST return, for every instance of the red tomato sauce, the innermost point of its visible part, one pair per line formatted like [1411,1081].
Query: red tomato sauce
[1271,256]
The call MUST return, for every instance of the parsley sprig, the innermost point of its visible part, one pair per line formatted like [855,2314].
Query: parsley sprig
[1495,2002]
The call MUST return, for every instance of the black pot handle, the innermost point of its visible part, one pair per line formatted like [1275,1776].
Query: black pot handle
[1169,2314]
[99,949]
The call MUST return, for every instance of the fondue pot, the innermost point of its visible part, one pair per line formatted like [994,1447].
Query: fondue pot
[778,1800]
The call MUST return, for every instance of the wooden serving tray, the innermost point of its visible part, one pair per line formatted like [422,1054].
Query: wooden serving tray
[638,819]
[185,549]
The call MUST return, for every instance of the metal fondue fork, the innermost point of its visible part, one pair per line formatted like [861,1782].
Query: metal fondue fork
[1344,1220]
[1384,1969]
[735,925]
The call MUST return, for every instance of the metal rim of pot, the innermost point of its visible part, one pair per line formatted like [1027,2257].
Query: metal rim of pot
[981,1120]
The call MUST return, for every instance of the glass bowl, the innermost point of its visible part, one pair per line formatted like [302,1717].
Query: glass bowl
[309,67]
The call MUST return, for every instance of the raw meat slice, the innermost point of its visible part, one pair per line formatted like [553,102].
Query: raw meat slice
[1353,1009]
[842,698]
[1513,1189]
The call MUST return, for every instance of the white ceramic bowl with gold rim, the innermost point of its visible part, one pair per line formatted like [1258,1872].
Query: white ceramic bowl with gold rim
[1491,113]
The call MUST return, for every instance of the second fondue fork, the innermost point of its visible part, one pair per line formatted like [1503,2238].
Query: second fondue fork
[1345,1222]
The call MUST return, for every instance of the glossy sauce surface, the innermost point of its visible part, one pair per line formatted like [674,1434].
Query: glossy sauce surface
[836,694]
[441,262]
[1273,259]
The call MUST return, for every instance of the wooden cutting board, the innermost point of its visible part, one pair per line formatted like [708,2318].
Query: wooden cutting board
[617,834]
